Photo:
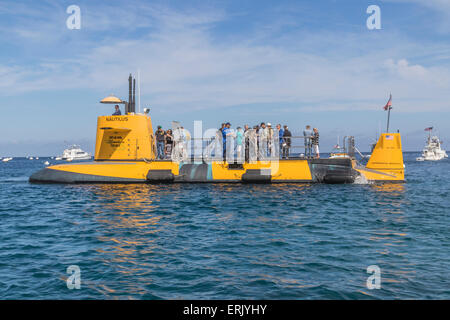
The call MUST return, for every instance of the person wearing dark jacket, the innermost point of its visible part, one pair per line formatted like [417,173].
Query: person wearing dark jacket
[286,142]
[160,142]
[117,112]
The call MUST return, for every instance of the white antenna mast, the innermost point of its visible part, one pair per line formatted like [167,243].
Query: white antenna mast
[139,89]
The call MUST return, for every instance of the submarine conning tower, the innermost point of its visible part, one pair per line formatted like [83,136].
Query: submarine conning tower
[125,137]
[386,162]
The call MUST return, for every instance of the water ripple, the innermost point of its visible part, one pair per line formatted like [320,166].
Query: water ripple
[286,241]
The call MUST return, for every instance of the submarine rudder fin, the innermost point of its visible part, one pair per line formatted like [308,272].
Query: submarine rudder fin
[386,162]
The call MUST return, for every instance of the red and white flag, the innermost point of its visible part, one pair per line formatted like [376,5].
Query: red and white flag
[388,105]
[429,129]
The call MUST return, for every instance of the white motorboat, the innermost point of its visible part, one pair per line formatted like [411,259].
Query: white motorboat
[348,143]
[6,159]
[75,153]
[433,150]
[339,152]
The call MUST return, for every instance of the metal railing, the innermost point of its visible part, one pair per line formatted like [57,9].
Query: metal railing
[253,148]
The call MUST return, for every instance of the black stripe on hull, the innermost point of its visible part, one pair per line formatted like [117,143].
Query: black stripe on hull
[332,170]
[193,172]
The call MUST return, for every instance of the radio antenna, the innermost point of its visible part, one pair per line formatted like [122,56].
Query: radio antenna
[139,89]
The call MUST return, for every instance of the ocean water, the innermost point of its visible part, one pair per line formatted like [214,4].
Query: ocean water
[210,241]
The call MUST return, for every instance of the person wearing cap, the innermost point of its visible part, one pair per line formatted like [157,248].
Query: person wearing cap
[286,142]
[117,112]
[160,142]
[226,132]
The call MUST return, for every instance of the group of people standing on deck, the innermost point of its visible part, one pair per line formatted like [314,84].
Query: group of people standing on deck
[253,143]
[172,144]
[164,143]
[259,142]
[256,143]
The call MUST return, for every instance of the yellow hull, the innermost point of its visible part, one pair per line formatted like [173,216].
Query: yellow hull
[282,171]
[301,170]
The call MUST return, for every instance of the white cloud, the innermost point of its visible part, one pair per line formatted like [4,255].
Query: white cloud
[185,65]
[404,69]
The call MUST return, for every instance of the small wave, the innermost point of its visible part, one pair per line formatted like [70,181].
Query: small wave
[14,179]
[361,179]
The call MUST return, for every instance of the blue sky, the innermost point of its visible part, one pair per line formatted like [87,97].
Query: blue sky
[290,62]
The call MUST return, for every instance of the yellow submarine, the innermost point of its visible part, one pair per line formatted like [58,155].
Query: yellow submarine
[125,152]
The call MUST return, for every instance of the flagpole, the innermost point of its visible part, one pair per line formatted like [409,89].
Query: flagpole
[388,106]
[389,115]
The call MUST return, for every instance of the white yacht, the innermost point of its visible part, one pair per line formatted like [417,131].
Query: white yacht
[338,152]
[432,151]
[75,153]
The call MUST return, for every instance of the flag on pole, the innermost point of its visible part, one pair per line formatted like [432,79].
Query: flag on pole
[388,105]
[429,129]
